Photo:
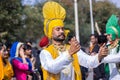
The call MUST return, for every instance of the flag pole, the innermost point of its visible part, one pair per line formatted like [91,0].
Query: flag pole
[91,17]
[76,20]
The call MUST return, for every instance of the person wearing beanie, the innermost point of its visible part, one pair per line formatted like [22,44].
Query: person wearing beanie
[44,42]
[60,61]
[113,36]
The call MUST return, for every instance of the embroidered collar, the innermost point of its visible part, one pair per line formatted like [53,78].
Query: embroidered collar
[60,48]
[113,45]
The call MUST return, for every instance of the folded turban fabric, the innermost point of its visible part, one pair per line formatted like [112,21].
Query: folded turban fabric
[44,41]
[112,27]
[54,15]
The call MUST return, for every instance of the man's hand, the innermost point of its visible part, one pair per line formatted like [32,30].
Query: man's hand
[74,46]
[103,51]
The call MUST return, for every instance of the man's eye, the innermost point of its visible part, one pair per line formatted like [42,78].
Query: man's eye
[58,29]
[62,28]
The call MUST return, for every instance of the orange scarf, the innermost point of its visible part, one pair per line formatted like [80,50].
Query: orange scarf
[91,48]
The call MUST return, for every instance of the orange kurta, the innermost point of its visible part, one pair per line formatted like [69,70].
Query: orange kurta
[1,68]
[8,71]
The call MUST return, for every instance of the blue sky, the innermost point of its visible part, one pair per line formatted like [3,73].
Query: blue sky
[116,2]
[33,2]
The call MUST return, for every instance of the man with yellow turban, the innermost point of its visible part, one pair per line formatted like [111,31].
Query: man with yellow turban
[59,60]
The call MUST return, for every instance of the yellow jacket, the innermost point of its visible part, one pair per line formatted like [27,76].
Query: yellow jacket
[50,76]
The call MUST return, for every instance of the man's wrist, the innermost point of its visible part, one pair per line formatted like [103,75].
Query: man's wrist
[70,52]
[100,57]
[69,56]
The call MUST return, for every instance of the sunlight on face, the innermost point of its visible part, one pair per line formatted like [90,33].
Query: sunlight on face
[58,34]
[109,37]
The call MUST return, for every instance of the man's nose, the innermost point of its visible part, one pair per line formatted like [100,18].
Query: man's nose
[61,30]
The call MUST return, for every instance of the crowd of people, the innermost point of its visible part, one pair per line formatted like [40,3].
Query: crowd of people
[61,56]
[21,61]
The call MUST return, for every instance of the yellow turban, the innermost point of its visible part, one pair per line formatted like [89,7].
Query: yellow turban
[54,15]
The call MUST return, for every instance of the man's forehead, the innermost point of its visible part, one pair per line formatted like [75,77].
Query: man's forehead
[92,37]
[58,27]
[106,34]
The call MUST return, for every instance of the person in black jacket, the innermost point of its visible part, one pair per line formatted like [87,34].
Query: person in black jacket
[99,72]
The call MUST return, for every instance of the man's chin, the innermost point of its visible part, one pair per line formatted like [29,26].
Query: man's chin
[62,38]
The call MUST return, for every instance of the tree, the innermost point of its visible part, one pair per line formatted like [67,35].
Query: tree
[18,23]
[32,23]
[102,11]
[10,18]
